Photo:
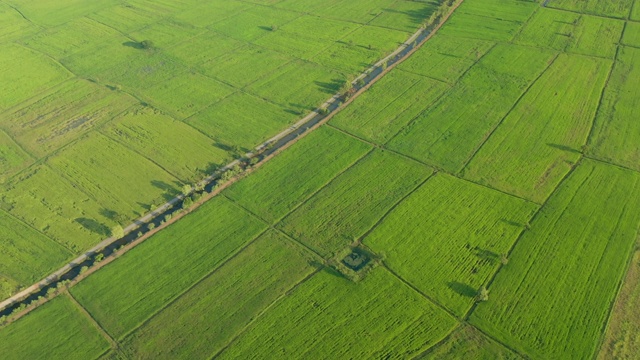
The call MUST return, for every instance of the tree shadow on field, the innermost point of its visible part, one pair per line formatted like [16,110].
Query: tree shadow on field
[462,289]
[94,226]
[161,185]
[486,255]
[330,87]
[512,223]
[108,213]
[420,15]
[564,148]
[133,44]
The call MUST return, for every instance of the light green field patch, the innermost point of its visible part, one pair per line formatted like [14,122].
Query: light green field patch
[295,45]
[449,246]
[13,25]
[566,31]
[177,147]
[25,254]
[299,85]
[357,11]
[166,33]
[127,17]
[382,111]
[446,58]
[404,15]
[254,22]
[12,157]
[449,132]
[187,94]
[74,36]
[144,70]
[616,132]
[242,119]
[25,73]
[553,298]
[278,186]
[632,34]
[57,12]
[222,304]
[8,286]
[488,19]
[203,48]
[62,212]
[542,137]
[233,67]
[57,329]
[615,8]
[313,27]
[467,342]
[118,178]
[91,63]
[63,115]
[204,14]
[378,317]
[635,11]
[147,277]
[353,202]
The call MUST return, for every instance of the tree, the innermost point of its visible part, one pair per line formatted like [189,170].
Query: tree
[274,27]
[186,189]
[146,44]
[483,294]
[117,232]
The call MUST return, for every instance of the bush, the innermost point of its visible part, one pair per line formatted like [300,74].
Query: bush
[147,44]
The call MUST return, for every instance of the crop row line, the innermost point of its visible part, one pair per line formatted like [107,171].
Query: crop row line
[114,344]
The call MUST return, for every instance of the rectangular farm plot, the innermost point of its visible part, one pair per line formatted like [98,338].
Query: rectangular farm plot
[449,132]
[299,85]
[177,147]
[127,17]
[12,157]
[120,179]
[542,137]
[25,254]
[242,119]
[24,73]
[466,342]
[56,12]
[63,114]
[52,205]
[8,286]
[353,202]
[128,291]
[390,104]
[567,267]
[203,48]
[187,94]
[448,237]
[616,132]
[57,329]
[571,32]
[378,317]
[222,304]
[497,20]
[205,14]
[277,187]
[254,23]
[357,11]
[13,25]
[404,15]
[631,35]
[613,8]
[143,70]
[446,58]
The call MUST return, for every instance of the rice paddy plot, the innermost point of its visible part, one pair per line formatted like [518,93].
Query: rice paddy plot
[571,32]
[353,202]
[177,147]
[635,12]
[254,22]
[466,342]
[446,58]
[222,304]
[391,103]
[24,73]
[63,114]
[13,25]
[206,47]
[357,11]
[241,120]
[299,85]
[77,35]
[496,20]
[542,137]
[622,339]
[277,187]
[127,17]
[50,204]
[8,286]
[631,35]
[187,94]
[205,14]
[613,8]
[57,329]
[167,33]
[125,293]
[25,254]
[553,298]
[448,133]
[12,157]
[111,173]
[448,247]
[93,62]
[378,317]
[148,68]
[56,12]
[615,136]
[404,15]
